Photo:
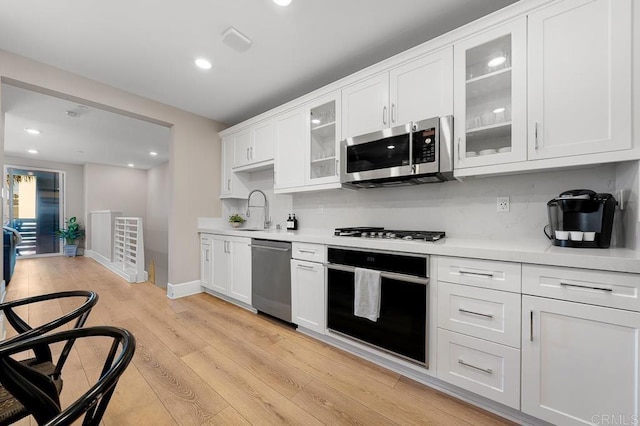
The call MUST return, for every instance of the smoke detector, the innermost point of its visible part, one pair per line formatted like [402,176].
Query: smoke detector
[236,40]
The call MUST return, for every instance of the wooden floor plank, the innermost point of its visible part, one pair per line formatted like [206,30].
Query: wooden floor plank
[250,396]
[186,395]
[280,376]
[335,408]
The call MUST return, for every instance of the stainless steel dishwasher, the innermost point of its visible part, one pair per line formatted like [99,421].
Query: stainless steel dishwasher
[271,277]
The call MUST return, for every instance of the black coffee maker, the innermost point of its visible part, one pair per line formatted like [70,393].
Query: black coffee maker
[581,218]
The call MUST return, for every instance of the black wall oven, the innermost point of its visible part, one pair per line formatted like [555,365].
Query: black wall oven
[402,326]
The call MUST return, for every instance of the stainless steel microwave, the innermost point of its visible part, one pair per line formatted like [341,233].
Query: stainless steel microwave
[417,152]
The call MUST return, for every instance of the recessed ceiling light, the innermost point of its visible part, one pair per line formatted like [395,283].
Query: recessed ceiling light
[391,146]
[153,154]
[315,121]
[282,2]
[72,114]
[203,63]
[498,110]
[32,131]
[131,165]
[32,151]
[499,60]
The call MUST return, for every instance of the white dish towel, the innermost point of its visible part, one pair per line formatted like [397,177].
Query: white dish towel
[366,303]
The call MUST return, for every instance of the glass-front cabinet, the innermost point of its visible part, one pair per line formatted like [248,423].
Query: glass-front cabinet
[490,97]
[324,138]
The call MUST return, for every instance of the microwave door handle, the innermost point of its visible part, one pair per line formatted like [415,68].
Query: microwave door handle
[412,166]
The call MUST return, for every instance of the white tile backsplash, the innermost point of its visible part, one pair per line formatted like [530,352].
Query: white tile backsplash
[462,209]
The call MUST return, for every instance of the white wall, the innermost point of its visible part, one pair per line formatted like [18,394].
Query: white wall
[156,230]
[465,210]
[194,167]
[74,184]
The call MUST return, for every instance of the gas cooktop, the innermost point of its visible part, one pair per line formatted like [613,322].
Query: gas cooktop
[377,232]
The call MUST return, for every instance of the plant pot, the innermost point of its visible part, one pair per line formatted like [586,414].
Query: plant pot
[235,224]
[70,250]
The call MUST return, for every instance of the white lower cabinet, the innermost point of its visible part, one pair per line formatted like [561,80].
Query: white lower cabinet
[308,295]
[580,363]
[206,260]
[231,275]
[480,366]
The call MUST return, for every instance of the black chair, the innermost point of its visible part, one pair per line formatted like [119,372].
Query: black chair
[29,392]
[43,359]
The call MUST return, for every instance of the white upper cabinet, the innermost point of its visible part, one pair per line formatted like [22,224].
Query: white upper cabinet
[254,147]
[422,88]
[323,127]
[365,106]
[580,78]
[242,147]
[232,184]
[290,149]
[412,91]
[264,142]
[490,96]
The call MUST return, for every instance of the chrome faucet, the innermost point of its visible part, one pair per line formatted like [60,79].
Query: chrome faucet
[267,220]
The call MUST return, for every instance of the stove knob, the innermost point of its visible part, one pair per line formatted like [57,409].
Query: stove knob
[380,234]
[364,234]
[391,235]
[408,237]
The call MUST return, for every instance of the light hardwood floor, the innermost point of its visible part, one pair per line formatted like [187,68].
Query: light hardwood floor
[200,360]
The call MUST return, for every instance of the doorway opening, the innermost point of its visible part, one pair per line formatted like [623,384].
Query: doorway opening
[34,207]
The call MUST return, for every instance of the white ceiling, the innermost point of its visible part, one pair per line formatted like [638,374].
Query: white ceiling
[96,136]
[147,47]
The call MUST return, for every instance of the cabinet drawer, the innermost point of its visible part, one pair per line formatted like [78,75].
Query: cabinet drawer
[480,312]
[309,252]
[605,288]
[480,273]
[482,367]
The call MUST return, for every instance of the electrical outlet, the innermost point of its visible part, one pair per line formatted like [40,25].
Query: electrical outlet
[502,205]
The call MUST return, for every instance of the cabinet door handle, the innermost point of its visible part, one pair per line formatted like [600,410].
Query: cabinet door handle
[563,284]
[536,135]
[337,167]
[251,153]
[477,274]
[306,251]
[484,370]
[393,113]
[247,154]
[475,313]
[206,255]
[307,267]
[531,326]
[459,149]
[384,115]
[228,184]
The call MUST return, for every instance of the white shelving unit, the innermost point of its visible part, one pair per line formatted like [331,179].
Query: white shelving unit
[128,255]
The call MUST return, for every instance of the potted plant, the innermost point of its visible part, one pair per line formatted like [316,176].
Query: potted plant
[236,220]
[71,234]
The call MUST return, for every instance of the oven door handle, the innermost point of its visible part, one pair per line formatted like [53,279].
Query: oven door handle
[383,274]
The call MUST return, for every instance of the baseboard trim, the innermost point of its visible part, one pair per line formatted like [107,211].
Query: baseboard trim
[176,291]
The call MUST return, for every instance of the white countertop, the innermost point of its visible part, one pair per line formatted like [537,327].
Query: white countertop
[525,251]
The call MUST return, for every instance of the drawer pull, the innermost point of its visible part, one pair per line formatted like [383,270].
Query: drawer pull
[307,267]
[475,313]
[306,251]
[531,326]
[478,274]
[484,370]
[585,286]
